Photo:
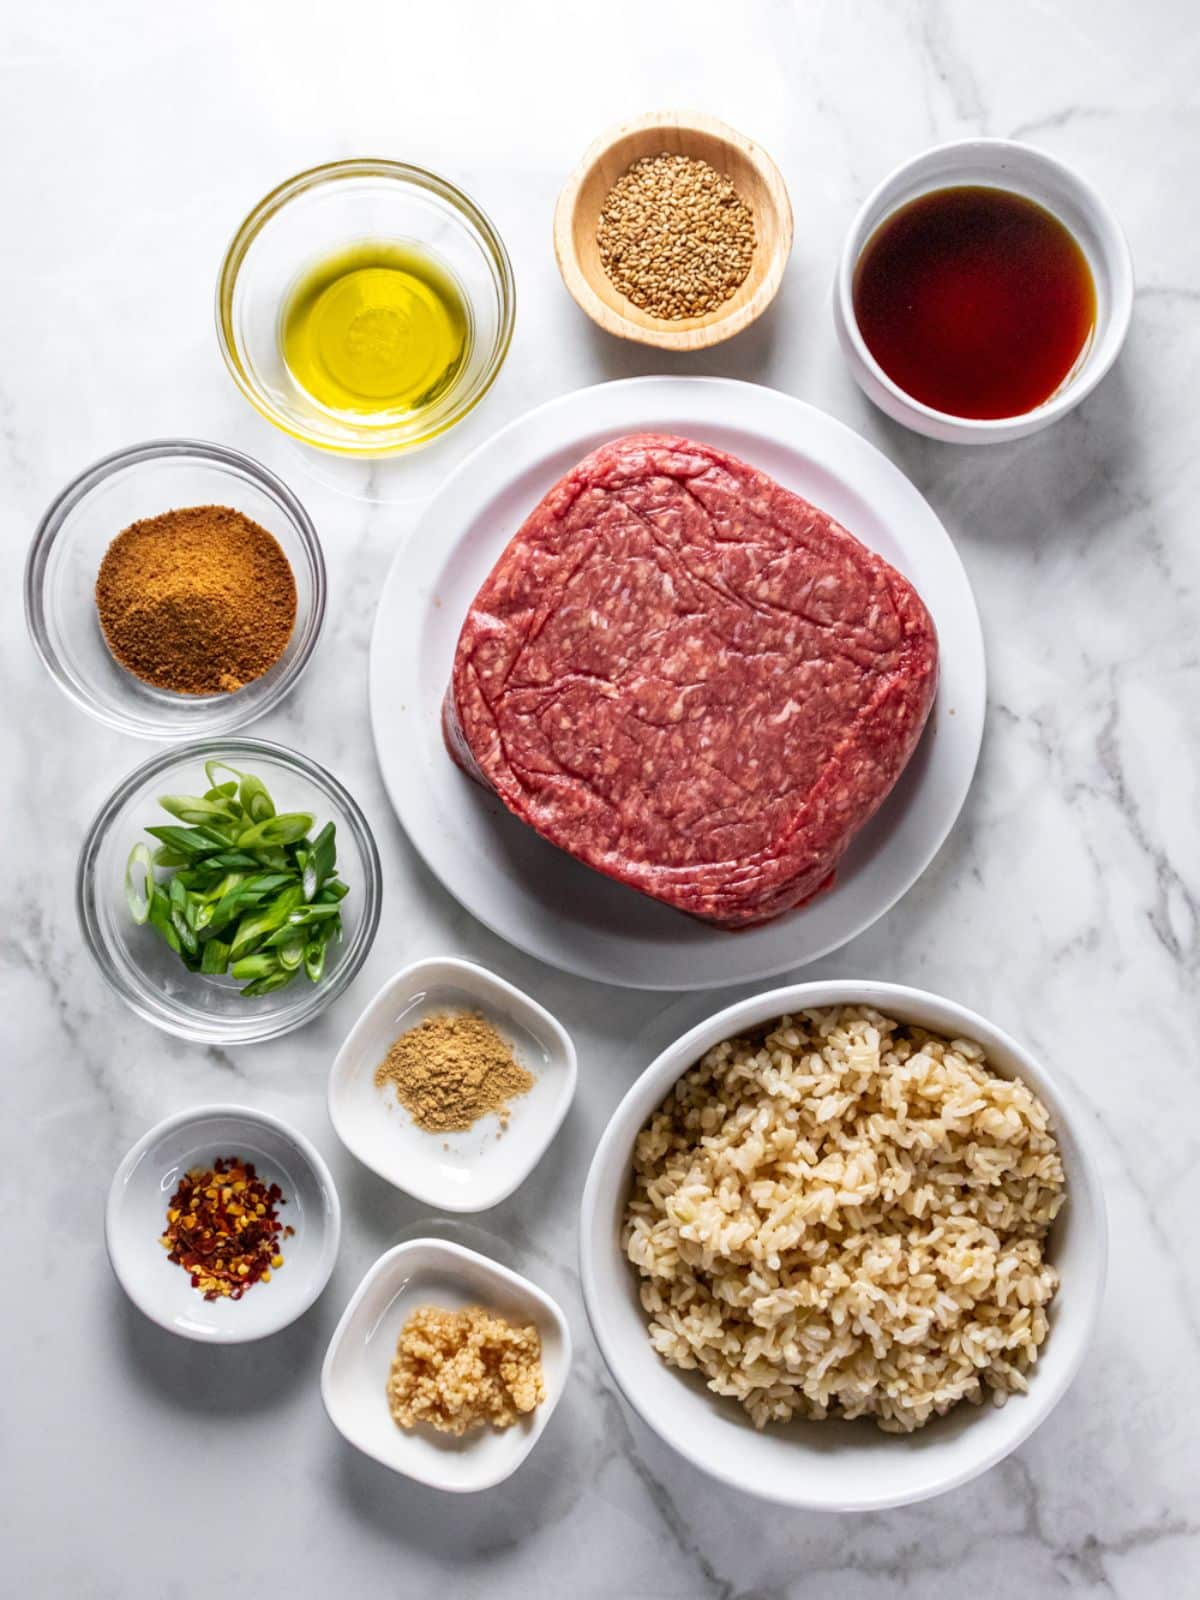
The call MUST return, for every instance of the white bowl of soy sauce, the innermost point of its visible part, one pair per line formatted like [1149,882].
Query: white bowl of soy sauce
[983,291]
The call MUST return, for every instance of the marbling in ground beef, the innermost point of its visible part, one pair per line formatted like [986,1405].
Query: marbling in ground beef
[691,679]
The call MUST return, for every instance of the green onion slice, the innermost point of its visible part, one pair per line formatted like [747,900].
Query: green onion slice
[211,768]
[286,828]
[244,891]
[215,957]
[139,882]
[256,800]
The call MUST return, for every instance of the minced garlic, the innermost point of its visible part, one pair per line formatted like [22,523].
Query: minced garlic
[458,1370]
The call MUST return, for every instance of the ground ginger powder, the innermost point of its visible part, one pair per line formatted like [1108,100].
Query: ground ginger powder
[458,1370]
[452,1069]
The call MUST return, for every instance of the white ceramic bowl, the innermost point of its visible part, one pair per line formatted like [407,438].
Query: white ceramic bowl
[1004,164]
[137,1215]
[837,1465]
[355,1372]
[455,1171]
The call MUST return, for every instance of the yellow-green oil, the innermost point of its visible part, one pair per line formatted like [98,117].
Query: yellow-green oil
[378,330]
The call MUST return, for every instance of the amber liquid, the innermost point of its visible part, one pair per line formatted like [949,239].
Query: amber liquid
[975,301]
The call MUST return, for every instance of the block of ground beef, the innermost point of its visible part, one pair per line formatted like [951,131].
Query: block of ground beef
[691,679]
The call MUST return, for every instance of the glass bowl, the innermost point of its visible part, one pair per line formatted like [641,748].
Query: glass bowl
[327,209]
[65,557]
[147,975]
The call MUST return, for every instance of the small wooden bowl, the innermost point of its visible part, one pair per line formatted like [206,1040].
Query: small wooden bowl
[756,179]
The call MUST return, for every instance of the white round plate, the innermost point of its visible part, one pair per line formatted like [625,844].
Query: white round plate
[534,895]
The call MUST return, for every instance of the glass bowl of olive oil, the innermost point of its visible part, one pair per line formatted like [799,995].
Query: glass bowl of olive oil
[365,307]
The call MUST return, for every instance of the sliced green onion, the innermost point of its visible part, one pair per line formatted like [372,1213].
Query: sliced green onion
[304,915]
[319,861]
[308,878]
[261,965]
[164,857]
[214,957]
[139,882]
[190,842]
[314,959]
[283,829]
[191,808]
[211,768]
[247,895]
[290,952]
[255,800]
[274,980]
[243,890]
[226,883]
[253,928]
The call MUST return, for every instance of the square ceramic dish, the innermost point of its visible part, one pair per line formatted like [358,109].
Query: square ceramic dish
[457,1171]
[355,1372]
[137,1214]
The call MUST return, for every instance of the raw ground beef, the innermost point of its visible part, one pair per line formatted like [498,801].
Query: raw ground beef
[691,679]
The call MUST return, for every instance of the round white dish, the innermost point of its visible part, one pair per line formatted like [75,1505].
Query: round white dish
[354,1375]
[517,884]
[837,1465]
[137,1214]
[475,1169]
[1005,164]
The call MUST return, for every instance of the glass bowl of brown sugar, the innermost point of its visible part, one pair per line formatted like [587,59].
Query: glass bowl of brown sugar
[175,589]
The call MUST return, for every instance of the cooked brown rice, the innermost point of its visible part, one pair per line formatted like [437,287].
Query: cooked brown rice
[842,1215]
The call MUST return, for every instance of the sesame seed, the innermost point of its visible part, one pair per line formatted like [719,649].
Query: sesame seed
[675,237]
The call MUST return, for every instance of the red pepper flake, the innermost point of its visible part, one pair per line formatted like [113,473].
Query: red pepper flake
[223,1228]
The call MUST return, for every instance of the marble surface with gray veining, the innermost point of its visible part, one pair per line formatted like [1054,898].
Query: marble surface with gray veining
[1066,903]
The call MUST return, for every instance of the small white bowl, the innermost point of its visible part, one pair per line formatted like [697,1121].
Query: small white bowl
[837,1465]
[1003,164]
[137,1215]
[468,1171]
[355,1372]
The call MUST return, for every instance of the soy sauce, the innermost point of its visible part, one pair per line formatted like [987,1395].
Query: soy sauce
[975,301]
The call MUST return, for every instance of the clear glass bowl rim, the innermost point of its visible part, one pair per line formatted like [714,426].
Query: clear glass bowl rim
[78,489]
[332,172]
[160,1010]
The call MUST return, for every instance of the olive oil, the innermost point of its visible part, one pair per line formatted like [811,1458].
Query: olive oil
[378,330]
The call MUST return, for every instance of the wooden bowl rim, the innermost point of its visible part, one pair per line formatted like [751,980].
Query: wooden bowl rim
[717,325]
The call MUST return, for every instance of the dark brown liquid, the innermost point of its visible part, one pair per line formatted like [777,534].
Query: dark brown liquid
[975,301]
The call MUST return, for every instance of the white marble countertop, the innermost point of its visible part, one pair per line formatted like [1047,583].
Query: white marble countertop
[1066,903]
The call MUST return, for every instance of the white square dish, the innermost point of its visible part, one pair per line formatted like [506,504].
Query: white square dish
[355,1372]
[468,1171]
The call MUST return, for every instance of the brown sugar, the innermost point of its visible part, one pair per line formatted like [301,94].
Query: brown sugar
[200,600]
[458,1370]
[450,1070]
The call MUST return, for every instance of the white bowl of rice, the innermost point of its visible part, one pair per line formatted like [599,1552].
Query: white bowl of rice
[843,1245]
